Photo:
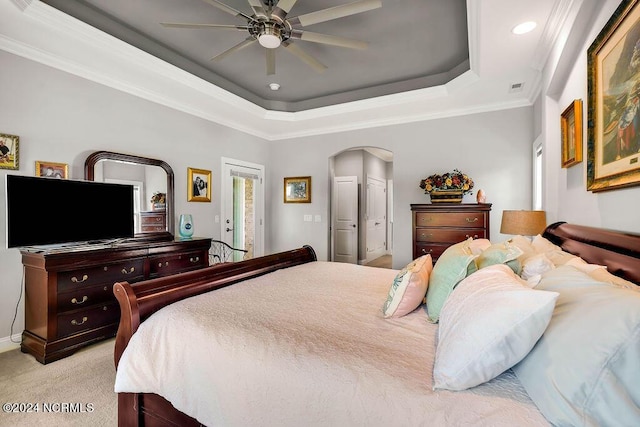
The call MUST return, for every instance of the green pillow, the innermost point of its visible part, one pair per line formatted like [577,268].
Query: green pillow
[455,263]
[501,253]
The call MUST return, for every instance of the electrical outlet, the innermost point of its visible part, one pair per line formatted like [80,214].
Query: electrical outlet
[318,218]
[307,218]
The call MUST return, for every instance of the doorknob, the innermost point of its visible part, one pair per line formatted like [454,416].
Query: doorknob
[353,225]
[229,229]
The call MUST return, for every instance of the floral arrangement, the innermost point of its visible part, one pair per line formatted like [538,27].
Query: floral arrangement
[158,197]
[455,180]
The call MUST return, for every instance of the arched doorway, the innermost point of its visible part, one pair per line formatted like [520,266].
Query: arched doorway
[361,200]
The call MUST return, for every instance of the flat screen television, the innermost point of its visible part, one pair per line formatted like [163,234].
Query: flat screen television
[49,211]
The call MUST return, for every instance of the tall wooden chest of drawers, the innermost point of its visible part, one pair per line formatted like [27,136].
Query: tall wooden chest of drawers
[440,225]
[69,301]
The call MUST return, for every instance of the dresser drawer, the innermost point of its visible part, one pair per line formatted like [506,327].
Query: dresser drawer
[85,297]
[93,317]
[447,235]
[435,250]
[451,219]
[171,264]
[149,228]
[153,218]
[129,270]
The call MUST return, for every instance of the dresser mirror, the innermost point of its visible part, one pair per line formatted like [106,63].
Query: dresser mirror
[149,177]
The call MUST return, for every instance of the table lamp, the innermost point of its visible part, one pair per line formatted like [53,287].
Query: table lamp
[525,223]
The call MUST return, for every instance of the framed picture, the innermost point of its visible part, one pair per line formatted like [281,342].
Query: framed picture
[52,170]
[198,185]
[613,77]
[297,189]
[9,151]
[571,125]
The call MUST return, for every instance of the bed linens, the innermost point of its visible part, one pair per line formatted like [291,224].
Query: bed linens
[307,344]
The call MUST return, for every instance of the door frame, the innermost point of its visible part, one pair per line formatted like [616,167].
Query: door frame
[259,202]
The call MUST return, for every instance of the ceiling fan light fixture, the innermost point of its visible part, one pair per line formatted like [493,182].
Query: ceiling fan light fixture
[270,37]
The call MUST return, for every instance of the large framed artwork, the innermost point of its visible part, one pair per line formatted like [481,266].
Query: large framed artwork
[198,185]
[297,189]
[9,151]
[613,67]
[571,124]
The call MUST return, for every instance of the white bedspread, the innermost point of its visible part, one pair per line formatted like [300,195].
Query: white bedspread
[307,346]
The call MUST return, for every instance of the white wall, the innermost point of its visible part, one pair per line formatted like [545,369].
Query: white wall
[565,79]
[493,148]
[63,118]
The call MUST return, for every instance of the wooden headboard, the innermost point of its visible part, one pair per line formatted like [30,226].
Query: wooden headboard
[619,251]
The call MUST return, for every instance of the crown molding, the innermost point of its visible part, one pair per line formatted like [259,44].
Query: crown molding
[559,14]
[41,33]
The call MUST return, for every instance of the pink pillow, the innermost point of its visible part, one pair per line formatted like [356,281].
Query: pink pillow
[408,288]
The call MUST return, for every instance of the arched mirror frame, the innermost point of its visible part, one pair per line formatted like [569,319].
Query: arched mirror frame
[89,174]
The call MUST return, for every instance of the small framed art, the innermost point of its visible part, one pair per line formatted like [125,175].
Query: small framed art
[52,170]
[198,185]
[297,189]
[571,126]
[9,151]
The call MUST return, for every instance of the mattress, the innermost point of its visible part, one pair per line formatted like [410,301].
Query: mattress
[307,345]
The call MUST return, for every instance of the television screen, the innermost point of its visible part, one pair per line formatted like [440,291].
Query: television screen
[46,211]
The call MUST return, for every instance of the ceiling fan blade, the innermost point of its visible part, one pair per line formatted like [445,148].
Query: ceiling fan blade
[335,12]
[223,27]
[271,61]
[282,8]
[305,57]
[328,39]
[229,9]
[239,46]
[258,8]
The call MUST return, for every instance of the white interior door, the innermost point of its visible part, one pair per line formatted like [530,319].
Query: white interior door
[345,219]
[376,217]
[242,224]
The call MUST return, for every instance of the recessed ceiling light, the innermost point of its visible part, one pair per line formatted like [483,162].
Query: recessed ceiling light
[523,28]
[274,86]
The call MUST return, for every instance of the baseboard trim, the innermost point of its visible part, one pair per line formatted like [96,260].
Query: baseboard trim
[8,344]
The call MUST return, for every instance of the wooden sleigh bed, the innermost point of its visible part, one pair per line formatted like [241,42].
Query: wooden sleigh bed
[619,252]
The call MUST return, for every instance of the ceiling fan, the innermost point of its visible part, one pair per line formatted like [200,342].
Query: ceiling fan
[271,28]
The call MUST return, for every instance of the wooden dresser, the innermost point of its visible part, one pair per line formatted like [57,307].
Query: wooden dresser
[153,221]
[438,226]
[69,300]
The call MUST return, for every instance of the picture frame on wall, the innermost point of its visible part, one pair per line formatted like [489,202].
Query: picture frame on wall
[52,170]
[297,189]
[198,185]
[571,128]
[613,78]
[9,151]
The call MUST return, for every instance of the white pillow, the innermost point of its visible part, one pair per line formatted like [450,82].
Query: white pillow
[553,252]
[600,273]
[536,266]
[487,325]
[408,288]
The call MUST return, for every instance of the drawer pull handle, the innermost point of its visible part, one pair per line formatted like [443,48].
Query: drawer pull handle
[194,260]
[424,251]
[166,264]
[131,270]
[475,236]
[472,220]
[74,322]
[426,235]
[84,299]
[74,279]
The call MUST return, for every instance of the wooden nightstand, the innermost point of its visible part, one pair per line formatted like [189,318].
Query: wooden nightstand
[438,226]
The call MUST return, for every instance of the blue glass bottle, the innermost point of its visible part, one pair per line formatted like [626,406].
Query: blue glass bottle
[186,226]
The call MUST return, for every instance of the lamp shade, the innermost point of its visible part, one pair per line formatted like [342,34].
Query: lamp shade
[525,223]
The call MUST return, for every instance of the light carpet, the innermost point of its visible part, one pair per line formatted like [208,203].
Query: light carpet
[81,382]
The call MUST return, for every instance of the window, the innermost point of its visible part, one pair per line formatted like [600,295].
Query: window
[537,175]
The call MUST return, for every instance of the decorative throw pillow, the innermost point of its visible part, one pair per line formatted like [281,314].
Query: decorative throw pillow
[455,263]
[478,245]
[500,253]
[584,369]
[488,324]
[524,243]
[536,266]
[408,288]
[553,252]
